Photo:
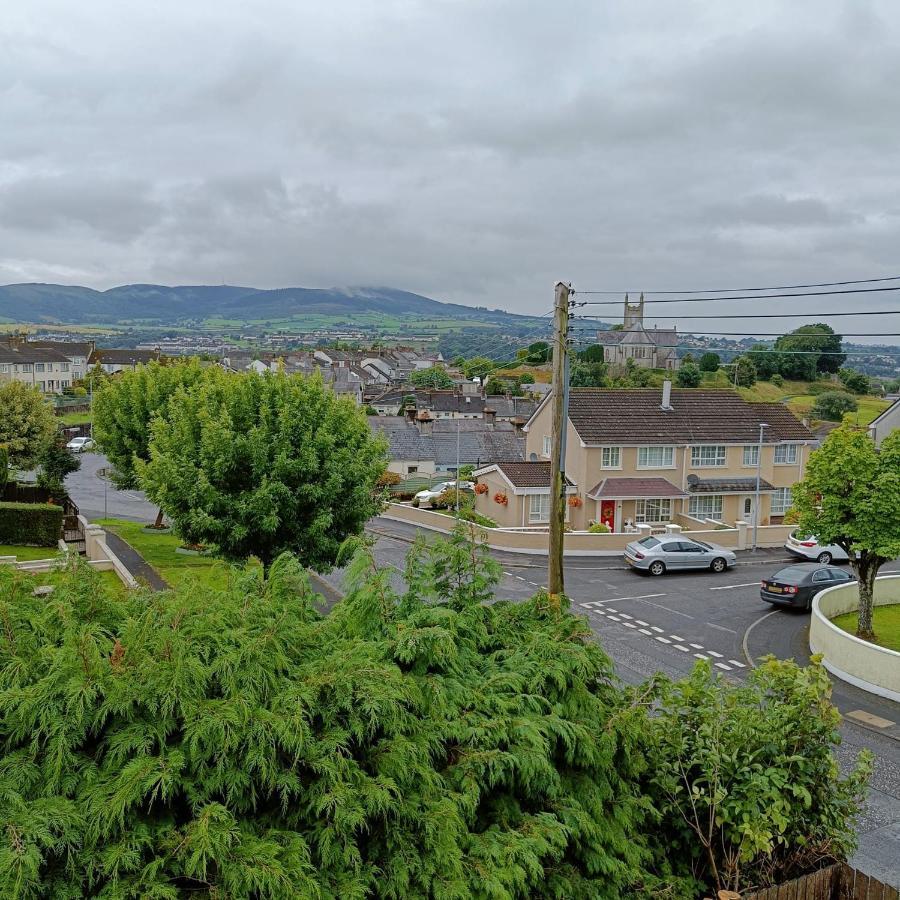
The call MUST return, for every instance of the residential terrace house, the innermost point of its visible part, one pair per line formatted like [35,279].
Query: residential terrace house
[48,370]
[645,456]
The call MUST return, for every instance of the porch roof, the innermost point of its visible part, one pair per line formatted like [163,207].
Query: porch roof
[634,489]
[727,485]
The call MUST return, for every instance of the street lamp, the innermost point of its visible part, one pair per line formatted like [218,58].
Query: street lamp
[762,427]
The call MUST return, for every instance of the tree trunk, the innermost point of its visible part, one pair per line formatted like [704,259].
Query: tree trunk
[866,568]
[159,520]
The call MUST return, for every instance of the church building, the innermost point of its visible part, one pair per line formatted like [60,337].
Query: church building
[651,348]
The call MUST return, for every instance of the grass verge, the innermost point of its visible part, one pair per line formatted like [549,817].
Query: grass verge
[886,621]
[159,551]
[26,553]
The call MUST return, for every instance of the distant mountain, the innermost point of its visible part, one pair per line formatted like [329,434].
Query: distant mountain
[162,305]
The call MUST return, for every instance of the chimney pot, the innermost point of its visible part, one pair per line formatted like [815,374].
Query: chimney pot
[666,395]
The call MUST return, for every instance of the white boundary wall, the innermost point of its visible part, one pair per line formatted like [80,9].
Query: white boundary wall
[868,666]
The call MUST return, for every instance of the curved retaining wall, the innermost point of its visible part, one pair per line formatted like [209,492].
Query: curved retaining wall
[868,666]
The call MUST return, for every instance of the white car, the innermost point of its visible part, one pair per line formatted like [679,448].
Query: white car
[436,490]
[79,444]
[805,546]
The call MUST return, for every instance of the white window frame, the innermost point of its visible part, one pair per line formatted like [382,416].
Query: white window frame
[653,509]
[538,516]
[706,506]
[645,451]
[789,452]
[38,367]
[545,446]
[781,501]
[716,456]
[751,455]
[610,457]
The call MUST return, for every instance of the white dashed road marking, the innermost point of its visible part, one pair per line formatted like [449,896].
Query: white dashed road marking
[713,653]
[682,648]
[701,656]
[654,628]
[723,666]
[734,662]
[645,631]
[731,587]
[663,640]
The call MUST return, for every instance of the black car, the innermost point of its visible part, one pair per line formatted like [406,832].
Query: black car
[797,585]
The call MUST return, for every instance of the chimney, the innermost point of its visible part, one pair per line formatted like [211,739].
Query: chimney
[411,413]
[666,396]
[490,417]
[425,422]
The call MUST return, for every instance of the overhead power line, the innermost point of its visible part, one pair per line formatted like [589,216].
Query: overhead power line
[873,290]
[777,287]
[867,312]
[874,352]
[776,334]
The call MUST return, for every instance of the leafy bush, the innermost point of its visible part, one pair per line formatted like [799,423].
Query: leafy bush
[744,778]
[465,472]
[4,467]
[37,524]
[744,372]
[235,744]
[56,463]
[833,404]
[688,375]
[855,381]
[599,528]
[710,362]
[777,380]
[387,479]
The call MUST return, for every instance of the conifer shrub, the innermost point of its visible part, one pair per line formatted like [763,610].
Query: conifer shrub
[236,744]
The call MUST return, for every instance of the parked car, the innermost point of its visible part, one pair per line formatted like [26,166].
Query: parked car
[805,546]
[436,490]
[797,584]
[80,444]
[670,551]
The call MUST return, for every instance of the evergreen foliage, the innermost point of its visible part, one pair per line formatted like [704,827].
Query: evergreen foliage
[745,371]
[434,377]
[36,524]
[710,362]
[237,745]
[256,465]
[56,463]
[688,375]
[832,405]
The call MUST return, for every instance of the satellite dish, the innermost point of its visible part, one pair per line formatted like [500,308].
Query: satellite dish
[693,480]
[532,457]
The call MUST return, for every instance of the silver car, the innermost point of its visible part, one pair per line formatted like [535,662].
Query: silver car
[675,551]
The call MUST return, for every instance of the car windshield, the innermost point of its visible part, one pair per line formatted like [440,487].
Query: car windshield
[790,574]
[649,542]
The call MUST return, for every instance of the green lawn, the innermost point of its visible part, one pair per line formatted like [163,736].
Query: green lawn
[109,580]
[74,418]
[886,623]
[159,551]
[24,553]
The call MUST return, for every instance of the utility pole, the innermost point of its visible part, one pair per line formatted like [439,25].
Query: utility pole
[560,416]
[762,427]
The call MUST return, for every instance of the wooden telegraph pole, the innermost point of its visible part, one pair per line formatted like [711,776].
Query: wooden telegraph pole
[559,424]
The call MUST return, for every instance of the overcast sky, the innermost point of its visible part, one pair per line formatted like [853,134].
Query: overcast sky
[469,150]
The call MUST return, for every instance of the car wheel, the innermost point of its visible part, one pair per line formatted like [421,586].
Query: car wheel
[657,568]
[824,558]
[718,565]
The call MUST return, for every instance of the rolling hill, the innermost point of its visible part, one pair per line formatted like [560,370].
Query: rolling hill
[163,305]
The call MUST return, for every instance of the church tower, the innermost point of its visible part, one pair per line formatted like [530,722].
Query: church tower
[634,313]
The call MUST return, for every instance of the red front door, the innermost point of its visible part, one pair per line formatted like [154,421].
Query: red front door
[608,513]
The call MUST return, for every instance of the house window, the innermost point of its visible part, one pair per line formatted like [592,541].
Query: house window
[26,367]
[656,458]
[4,367]
[781,501]
[412,469]
[785,454]
[545,449]
[64,367]
[653,510]
[708,506]
[611,458]
[38,367]
[539,508]
[713,455]
[751,455]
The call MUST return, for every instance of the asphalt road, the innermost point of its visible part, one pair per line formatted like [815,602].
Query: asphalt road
[649,625]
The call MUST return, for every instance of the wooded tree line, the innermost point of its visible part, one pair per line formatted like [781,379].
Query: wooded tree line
[429,743]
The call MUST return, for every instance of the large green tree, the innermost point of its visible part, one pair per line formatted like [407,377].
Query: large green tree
[435,377]
[850,496]
[817,341]
[261,464]
[831,405]
[27,423]
[125,406]
[478,367]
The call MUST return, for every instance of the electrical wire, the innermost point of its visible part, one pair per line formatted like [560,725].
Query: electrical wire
[694,347]
[867,312]
[844,334]
[777,287]
[874,290]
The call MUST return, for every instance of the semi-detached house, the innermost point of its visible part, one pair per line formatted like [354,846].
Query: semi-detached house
[655,457]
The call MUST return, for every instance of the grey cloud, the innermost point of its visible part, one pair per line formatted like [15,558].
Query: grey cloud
[473,151]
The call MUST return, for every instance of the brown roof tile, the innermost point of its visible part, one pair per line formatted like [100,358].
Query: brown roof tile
[602,415]
[528,474]
[634,488]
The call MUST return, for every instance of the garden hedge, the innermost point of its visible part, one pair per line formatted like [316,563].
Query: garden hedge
[37,524]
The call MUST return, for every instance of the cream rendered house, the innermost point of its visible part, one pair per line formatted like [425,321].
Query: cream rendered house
[655,457]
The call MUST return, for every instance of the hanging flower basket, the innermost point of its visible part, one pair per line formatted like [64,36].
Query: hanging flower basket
[481,488]
[575,502]
[501,498]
